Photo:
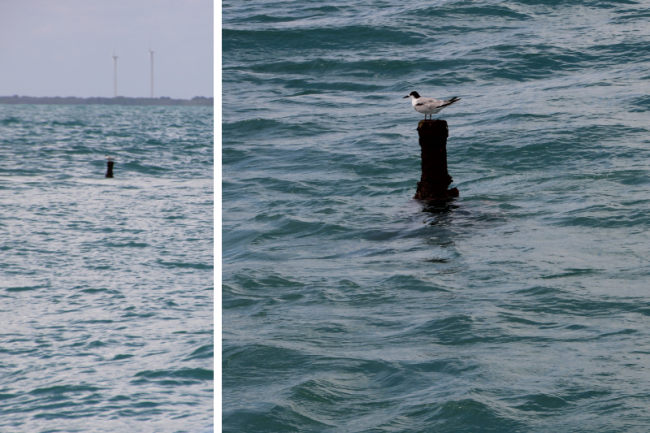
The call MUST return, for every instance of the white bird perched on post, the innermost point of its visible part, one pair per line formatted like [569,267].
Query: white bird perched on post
[429,106]
[110,158]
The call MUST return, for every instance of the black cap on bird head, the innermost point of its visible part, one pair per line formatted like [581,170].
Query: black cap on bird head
[414,94]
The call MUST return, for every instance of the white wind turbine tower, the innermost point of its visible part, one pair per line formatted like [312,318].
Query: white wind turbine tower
[114,75]
[151,54]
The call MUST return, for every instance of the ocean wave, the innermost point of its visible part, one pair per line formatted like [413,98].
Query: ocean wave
[326,38]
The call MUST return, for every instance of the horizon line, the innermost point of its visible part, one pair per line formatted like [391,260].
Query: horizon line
[109,97]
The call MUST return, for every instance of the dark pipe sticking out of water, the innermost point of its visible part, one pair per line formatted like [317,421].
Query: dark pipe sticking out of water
[435,179]
[109,169]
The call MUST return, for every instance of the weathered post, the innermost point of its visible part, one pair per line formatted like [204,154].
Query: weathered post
[435,179]
[109,169]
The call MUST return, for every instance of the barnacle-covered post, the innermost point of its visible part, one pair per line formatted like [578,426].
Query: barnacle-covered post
[435,179]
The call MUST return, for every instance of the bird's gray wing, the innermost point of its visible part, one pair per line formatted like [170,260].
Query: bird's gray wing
[431,103]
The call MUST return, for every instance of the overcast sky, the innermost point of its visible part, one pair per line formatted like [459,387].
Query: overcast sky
[65,47]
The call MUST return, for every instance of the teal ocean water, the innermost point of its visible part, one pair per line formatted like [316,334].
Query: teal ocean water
[523,305]
[106,285]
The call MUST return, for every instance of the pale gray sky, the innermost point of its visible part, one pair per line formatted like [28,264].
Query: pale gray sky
[65,47]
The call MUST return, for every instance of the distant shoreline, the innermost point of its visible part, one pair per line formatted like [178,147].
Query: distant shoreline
[120,100]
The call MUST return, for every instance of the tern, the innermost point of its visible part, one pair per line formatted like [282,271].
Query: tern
[429,106]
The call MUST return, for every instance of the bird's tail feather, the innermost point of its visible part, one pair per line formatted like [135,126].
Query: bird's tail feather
[450,101]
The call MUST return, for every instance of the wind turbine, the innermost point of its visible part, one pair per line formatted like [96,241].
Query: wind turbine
[114,75]
[151,53]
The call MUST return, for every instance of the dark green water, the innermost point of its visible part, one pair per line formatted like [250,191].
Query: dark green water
[524,306]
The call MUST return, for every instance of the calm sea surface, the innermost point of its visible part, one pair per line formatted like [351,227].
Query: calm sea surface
[524,306]
[106,285]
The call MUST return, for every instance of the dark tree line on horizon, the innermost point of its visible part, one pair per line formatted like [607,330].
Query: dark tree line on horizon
[119,100]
